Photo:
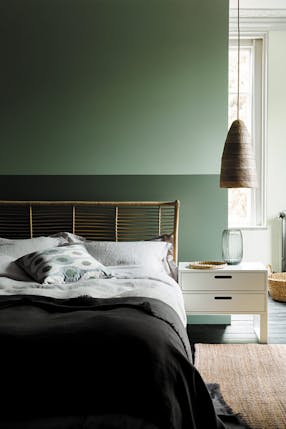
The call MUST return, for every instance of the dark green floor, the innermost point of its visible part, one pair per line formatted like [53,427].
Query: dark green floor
[241,328]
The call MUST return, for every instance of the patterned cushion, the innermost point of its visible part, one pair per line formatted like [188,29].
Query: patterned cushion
[64,264]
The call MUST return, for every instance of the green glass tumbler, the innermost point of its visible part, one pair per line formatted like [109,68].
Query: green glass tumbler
[232,246]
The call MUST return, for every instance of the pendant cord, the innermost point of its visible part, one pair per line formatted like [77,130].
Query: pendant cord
[238,58]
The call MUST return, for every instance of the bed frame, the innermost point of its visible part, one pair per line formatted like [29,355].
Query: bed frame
[94,220]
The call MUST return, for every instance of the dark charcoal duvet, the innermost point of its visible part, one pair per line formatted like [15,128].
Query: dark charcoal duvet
[89,363]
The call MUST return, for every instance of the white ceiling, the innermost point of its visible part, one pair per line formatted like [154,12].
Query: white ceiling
[263,15]
[258,4]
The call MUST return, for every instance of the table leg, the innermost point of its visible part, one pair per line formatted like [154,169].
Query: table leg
[260,324]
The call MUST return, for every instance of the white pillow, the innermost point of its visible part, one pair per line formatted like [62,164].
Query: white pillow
[150,254]
[18,248]
[169,238]
[8,268]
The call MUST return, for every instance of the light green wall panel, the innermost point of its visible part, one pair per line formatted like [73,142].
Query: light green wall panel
[113,86]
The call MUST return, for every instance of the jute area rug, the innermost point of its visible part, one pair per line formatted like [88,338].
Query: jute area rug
[252,379]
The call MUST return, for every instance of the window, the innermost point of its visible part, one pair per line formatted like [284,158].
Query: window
[246,206]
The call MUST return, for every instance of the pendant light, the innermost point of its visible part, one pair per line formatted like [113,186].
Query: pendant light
[238,167]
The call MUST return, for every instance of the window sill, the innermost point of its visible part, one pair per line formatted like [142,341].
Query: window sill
[251,228]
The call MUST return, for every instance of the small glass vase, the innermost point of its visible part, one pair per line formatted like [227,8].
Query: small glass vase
[232,246]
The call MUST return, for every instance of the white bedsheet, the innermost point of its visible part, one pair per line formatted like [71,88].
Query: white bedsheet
[126,281]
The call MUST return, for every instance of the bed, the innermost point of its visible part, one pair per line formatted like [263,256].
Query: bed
[92,321]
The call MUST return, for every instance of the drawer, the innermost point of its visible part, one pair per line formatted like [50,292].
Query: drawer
[222,281]
[225,302]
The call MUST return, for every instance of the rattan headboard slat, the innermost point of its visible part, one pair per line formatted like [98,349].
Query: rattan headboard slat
[96,220]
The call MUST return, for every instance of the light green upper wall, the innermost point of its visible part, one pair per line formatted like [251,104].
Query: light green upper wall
[113,86]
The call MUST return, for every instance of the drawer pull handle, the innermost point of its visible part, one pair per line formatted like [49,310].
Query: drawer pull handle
[223,277]
[223,297]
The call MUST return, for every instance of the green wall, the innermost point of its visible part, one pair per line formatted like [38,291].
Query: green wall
[117,99]
[113,86]
[118,87]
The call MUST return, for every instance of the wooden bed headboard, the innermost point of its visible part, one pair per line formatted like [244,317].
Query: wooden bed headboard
[94,220]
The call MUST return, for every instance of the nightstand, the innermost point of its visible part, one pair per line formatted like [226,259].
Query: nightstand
[233,289]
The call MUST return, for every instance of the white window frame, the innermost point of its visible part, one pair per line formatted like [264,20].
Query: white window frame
[259,122]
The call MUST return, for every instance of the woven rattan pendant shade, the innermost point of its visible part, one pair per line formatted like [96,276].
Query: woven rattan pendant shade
[238,169]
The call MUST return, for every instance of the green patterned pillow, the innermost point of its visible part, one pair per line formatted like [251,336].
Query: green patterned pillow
[64,264]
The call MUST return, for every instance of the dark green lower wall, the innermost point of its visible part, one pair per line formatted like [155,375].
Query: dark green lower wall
[203,211]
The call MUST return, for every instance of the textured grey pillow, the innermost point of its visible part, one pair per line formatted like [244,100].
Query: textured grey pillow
[69,237]
[150,254]
[64,264]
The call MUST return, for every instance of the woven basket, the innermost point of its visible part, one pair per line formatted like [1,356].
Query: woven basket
[277,286]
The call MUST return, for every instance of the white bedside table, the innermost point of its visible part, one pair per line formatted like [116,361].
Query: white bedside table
[231,290]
